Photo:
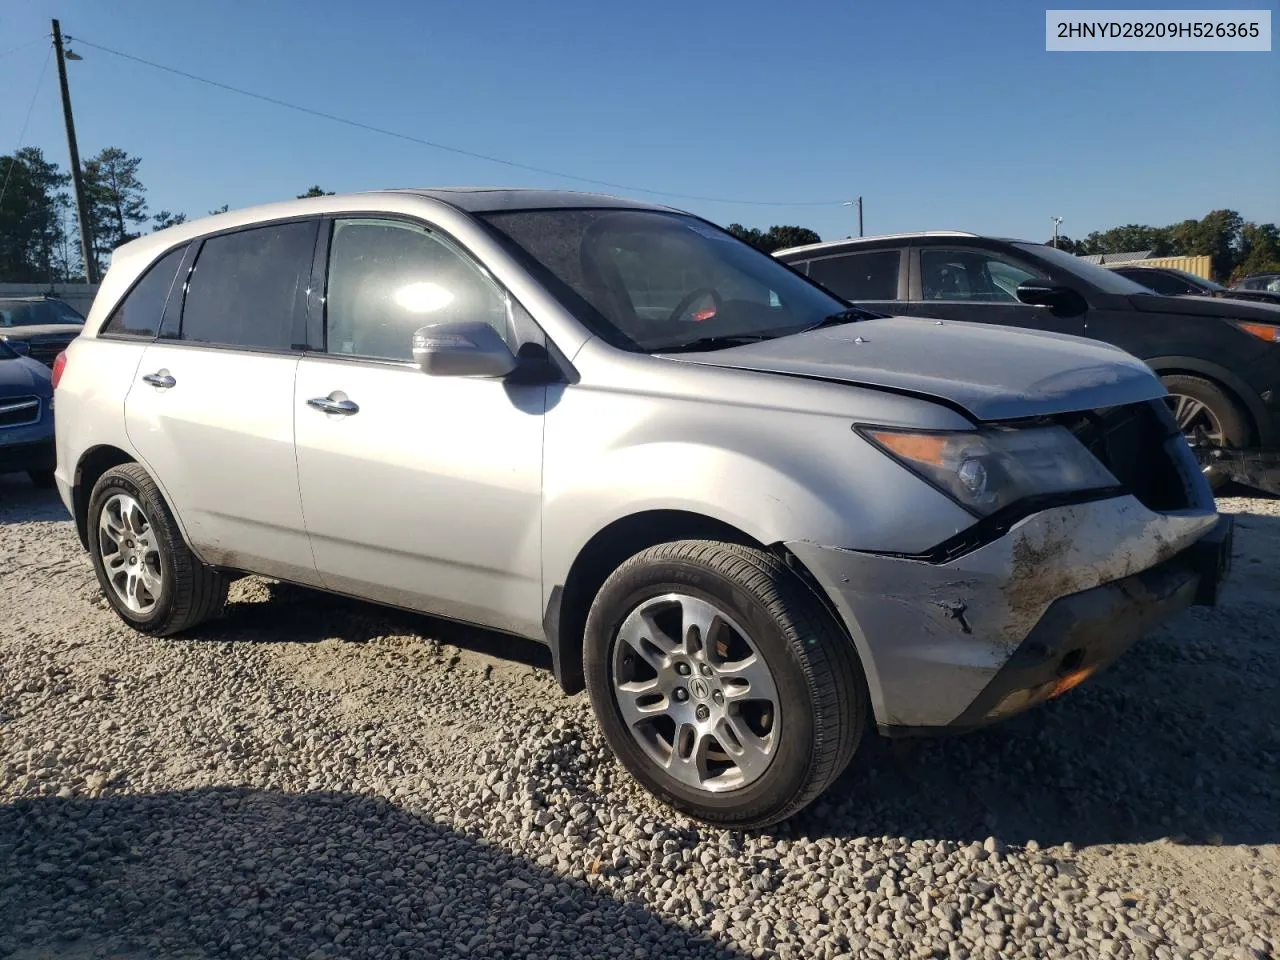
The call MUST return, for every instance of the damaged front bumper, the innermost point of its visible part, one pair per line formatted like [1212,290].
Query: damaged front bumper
[1064,592]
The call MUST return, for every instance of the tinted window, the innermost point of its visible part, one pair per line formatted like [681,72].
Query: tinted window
[972,275]
[139,314]
[1195,283]
[1159,282]
[34,313]
[387,279]
[247,287]
[859,276]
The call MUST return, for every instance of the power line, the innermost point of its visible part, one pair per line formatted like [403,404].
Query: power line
[445,147]
[22,135]
[23,46]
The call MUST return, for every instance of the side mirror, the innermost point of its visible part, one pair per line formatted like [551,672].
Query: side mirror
[468,348]
[1046,293]
[20,347]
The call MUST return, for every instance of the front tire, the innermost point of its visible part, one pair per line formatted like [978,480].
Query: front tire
[721,682]
[1207,416]
[150,577]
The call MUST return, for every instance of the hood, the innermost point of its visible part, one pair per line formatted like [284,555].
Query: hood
[1257,296]
[1218,308]
[22,375]
[66,331]
[990,371]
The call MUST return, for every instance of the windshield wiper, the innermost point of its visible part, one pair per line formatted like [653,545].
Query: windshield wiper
[849,315]
[715,343]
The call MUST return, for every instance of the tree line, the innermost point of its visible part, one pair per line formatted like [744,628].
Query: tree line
[775,238]
[1235,246]
[39,238]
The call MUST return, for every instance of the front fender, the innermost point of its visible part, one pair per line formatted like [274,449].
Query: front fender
[775,475]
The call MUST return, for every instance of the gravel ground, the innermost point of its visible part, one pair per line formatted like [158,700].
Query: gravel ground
[317,778]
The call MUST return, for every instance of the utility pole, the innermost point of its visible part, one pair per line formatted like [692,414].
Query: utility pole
[1057,222]
[855,203]
[77,178]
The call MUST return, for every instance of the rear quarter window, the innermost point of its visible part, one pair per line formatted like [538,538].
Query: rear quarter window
[872,275]
[140,312]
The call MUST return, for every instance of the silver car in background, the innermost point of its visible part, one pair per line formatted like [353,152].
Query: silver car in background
[748,518]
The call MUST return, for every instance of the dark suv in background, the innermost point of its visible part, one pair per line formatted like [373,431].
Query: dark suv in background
[1259,281]
[1180,283]
[39,327]
[1218,358]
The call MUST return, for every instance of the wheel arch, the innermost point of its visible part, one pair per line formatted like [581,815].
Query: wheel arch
[565,618]
[1250,402]
[93,463]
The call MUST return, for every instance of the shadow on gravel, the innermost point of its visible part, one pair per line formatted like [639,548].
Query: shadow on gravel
[227,872]
[21,502]
[293,614]
[1234,489]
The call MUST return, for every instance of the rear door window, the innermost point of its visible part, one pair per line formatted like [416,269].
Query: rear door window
[871,275]
[140,312]
[248,289]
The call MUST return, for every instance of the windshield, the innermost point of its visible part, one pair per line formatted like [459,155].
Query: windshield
[1108,281]
[35,313]
[650,281]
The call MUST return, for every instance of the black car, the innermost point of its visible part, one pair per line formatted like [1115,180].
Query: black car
[1219,358]
[1180,283]
[40,327]
[1259,281]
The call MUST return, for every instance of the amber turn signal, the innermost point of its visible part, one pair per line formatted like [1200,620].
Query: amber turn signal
[1269,332]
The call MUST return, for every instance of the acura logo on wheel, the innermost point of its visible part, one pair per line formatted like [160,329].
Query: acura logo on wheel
[698,687]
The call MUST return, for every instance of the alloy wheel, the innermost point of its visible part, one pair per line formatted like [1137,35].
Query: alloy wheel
[695,692]
[126,543]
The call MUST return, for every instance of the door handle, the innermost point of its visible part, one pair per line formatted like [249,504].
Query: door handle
[329,405]
[159,379]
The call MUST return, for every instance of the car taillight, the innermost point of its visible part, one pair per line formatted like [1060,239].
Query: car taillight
[59,365]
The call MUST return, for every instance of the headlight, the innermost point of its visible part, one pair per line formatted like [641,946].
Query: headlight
[986,470]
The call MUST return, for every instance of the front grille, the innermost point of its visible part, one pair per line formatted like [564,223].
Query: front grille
[19,411]
[47,349]
[1132,442]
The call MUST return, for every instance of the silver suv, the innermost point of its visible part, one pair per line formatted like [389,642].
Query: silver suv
[747,517]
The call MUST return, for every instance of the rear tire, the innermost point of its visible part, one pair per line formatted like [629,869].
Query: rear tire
[777,681]
[1207,414]
[149,575]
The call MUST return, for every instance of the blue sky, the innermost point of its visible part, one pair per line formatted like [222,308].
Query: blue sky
[941,114]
